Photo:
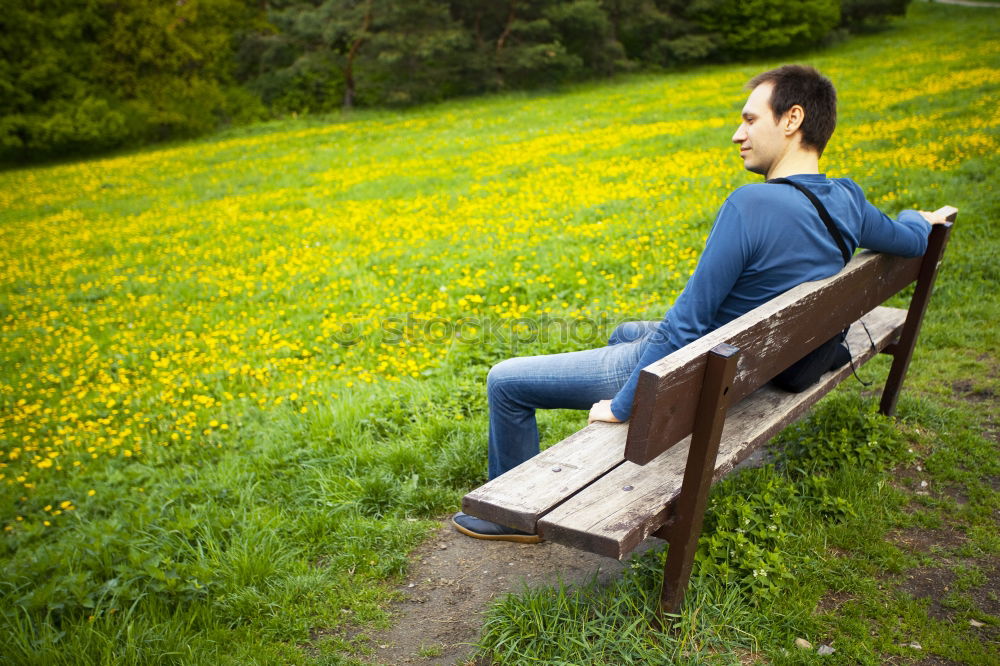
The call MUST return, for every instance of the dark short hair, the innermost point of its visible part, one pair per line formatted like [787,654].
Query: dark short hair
[803,85]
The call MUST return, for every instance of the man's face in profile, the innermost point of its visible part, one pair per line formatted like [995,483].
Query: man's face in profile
[759,136]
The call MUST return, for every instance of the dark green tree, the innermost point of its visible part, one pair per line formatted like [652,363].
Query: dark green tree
[860,14]
[49,96]
[528,49]
[585,30]
[414,51]
[657,32]
[744,27]
[330,53]
[87,75]
[172,62]
[298,61]
[79,75]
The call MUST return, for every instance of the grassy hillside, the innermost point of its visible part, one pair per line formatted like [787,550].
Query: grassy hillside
[240,375]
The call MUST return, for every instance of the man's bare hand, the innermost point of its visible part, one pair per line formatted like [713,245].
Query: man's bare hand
[940,216]
[601,411]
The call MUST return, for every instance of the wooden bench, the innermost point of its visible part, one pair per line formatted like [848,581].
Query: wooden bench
[607,487]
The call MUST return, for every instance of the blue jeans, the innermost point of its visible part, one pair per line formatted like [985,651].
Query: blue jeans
[517,387]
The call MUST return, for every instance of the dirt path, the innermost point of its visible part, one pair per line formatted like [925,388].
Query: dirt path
[452,580]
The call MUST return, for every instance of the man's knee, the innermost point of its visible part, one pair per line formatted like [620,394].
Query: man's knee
[618,335]
[626,332]
[500,378]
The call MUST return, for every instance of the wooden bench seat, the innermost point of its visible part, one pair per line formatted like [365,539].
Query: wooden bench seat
[701,410]
[573,492]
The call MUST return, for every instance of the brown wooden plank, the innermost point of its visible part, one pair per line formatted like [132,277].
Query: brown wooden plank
[703,448]
[606,518]
[771,337]
[516,499]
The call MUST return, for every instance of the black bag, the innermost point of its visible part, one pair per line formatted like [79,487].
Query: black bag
[833,353]
[805,372]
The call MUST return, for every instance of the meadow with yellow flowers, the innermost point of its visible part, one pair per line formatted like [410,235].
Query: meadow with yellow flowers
[241,375]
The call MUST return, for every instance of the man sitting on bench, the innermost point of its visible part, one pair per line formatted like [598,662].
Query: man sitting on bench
[766,239]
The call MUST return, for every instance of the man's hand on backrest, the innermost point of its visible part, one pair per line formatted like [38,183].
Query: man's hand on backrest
[940,216]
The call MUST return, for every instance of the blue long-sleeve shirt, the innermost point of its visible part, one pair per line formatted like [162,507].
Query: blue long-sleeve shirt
[768,238]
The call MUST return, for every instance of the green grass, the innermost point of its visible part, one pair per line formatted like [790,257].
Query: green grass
[842,580]
[164,291]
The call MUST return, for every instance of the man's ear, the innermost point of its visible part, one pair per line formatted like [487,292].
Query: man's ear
[792,120]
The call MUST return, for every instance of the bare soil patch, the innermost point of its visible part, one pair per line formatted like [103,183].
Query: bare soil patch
[832,601]
[931,583]
[935,583]
[929,660]
[986,597]
[967,390]
[453,579]
[925,540]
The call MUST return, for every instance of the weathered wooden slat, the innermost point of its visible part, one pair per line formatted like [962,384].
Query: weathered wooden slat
[606,518]
[518,497]
[770,337]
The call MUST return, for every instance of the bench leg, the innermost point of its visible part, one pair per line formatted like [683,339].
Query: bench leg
[902,351]
[689,510]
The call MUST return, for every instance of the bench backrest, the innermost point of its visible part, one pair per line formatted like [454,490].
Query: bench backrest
[770,338]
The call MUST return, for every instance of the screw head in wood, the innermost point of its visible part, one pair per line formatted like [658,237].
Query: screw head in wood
[627,488]
[557,469]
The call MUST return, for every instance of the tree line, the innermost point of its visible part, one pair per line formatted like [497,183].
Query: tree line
[80,76]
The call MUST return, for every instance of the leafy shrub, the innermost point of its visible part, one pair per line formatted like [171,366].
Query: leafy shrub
[763,26]
[844,429]
[76,125]
[745,534]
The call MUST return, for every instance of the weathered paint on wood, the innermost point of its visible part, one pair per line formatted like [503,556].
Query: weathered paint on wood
[606,518]
[770,337]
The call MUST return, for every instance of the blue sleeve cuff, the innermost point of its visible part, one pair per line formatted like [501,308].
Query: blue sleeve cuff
[914,217]
[621,414]
[621,404]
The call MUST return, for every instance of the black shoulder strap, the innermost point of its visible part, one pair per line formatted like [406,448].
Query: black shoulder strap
[824,215]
